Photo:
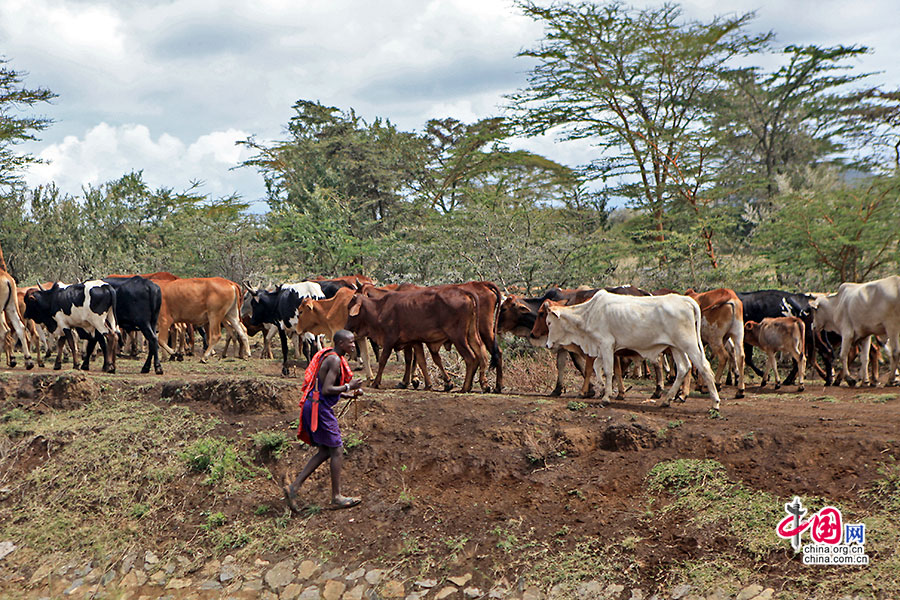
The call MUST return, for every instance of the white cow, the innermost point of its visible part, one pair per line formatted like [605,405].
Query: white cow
[647,325]
[856,312]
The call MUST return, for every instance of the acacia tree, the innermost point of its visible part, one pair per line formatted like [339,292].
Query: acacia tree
[771,125]
[637,84]
[16,127]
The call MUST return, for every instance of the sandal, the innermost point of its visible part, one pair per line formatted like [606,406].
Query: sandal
[344,502]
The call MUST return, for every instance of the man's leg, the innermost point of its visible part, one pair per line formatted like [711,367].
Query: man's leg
[290,491]
[337,463]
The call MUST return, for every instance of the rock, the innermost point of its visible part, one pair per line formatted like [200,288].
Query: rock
[307,569]
[150,559]
[252,585]
[766,594]
[637,594]
[40,574]
[393,589]
[280,575]
[588,590]
[178,584]
[613,590]
[229,571]
[310,593]
[374,576]
[472,592]
[127,563]
[417,595]
[210,584]
[460,580]
[107,577]
[445,592]
[134,579]
[355,594]
[426,583]
[74,587]
[681,591]
[751,591]
[532,594]
[333,590]
[158,578]
[93,576]
[356,574]
[291,591]
[169,567]
[332,574]
[261,563]
[6,548]
[267,595]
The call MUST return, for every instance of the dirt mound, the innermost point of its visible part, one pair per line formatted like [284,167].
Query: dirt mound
[234,396]
[58,391]
[620,437]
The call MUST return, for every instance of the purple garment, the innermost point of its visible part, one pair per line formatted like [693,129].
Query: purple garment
[328,432]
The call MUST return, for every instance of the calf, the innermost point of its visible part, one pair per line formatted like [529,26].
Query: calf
[723,321]
[88,307]
[779,334]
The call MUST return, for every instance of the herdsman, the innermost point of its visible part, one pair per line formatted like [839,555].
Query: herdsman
[327,377]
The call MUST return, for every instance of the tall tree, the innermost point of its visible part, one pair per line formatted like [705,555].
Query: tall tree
[636,83]
[16,126]
[771,125]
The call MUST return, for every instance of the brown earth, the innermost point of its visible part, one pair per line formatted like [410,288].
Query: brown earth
[466,475]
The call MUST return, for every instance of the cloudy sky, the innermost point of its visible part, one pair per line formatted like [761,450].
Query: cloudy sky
[167,87]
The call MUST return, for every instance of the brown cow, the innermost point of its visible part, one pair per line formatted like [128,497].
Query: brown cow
[13,320]
[779,334]
[428,316]
[208,302]
[723,320]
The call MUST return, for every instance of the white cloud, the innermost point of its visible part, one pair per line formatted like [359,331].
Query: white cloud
[107,152]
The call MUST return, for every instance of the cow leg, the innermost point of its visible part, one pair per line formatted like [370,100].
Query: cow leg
[893,347]
[617,368]
[682,372]
[407,367]
[386,352]
[698,360]
[587,390]
[62,339]
[658,369]
[110,351]
[748,353]
[772,363]
[12,316]
[282,336]
[419,352]
[607,358]
[96,338]
[864,349]
[435,351]
[152,350]
[560,369]
[364,351]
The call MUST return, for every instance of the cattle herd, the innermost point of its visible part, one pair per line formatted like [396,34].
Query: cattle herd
[602,328]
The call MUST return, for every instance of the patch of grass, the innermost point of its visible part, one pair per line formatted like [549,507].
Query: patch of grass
[506,540]
[15,423]
[261,510]
[214,521]
[830,399]
[885,491]
[576,405]
[352,440]
[219,460]
[273,442]
[702,490]
[875,398]
[139,511]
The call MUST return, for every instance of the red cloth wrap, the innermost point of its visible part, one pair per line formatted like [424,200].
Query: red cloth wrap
[310,377]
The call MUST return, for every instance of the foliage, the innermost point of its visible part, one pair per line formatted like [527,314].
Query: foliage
[218,459]
[835,232]
[273,442]
[16,127]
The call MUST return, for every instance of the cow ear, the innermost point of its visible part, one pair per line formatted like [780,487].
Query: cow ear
[354,310]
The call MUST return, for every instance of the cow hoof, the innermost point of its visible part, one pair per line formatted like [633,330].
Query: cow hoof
[829,382]
[498,390]
[179,357]
[112,371]
[427,387]
[851,382]
[401,386]
[657,394]
[777,387]
[665,404]
[873,384]
[801,387]
[12,363]
[284,371]
[448,387]
[158,370]
[145,369]
[29,365]
[892,383]
[557,391]
[415,384]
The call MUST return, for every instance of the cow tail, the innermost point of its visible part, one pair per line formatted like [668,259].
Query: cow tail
[495,348]
[802,348]
[111,320]
[3,261]
[698,319]
[10,293]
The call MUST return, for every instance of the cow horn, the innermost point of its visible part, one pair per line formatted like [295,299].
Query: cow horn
[40,287]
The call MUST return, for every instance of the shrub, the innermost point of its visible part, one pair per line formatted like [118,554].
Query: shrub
[217,458]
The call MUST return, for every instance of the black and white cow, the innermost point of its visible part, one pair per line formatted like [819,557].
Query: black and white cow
[89,308]
[280,307]
[776,303]
[137,309]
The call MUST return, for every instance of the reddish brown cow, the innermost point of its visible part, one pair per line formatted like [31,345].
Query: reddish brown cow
[723,320]
[428,316]
[207,302]
[779,334]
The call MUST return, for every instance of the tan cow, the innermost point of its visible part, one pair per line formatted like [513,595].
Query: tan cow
[723,320]
[208,302]
[779,334]
[13,321]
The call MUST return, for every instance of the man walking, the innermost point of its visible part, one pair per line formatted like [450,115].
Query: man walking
[327,377]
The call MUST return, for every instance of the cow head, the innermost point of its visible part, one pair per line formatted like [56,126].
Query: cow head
[751,332]
[262,307]
[516,317]
[39,303]
[822,309]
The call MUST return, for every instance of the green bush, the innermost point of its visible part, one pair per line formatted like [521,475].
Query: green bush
[217,458]
[273,442]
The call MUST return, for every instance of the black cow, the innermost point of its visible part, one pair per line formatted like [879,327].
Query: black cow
[279,307]
[88,308]
[137,309]
[776,303]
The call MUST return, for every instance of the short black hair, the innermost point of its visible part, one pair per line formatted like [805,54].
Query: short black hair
[342,335]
